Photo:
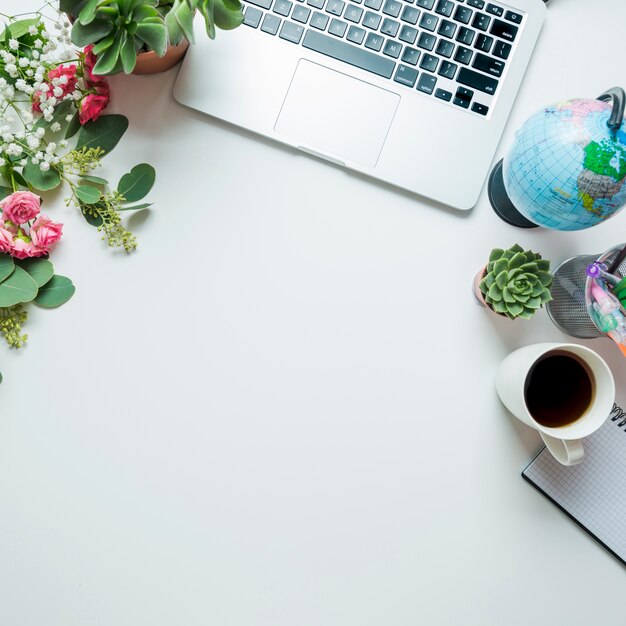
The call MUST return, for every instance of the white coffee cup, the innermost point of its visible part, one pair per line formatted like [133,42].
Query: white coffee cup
[564,442]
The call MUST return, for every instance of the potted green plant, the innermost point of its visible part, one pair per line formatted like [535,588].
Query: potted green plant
[144,36]
[514,283]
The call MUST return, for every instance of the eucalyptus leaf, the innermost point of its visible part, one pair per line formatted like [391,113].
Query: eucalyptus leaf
[104,133]
[92,220]
[135,207]
[88,194]
[18,287]
[137,183]
[5,191]
[57,291]
[95,179]
[73,127]
[44,181]
[7,265]
[40,270]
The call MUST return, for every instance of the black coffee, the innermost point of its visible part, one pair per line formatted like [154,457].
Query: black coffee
[559,389]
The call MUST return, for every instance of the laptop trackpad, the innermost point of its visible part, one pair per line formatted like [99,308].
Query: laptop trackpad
[337,115]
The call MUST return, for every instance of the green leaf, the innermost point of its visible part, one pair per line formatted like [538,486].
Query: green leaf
[87,194]
[7,265]
[128,55]
[110,57]
[92,220]
[83,35]
[499,266]
[18,287]
[104,133]
[496,253]
[533,303]
[184,17]
[57,291]
[545,278]
[154,35]
[5,191]
[73,127]
[517,260]
[137,183]
[40,270]
[95,179]
[88,13]
[515,308]
[135,207]
[103,44]
[44,181]
[495,293]
[20,28]
[227,14]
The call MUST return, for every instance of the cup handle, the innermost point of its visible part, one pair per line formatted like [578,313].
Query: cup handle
[565,451]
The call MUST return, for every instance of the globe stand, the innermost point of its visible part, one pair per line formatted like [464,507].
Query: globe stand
[501,203]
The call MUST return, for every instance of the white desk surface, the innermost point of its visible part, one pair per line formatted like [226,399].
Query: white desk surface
[270,415]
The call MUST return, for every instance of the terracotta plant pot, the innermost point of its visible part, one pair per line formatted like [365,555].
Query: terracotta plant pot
[478,294]
[150,63]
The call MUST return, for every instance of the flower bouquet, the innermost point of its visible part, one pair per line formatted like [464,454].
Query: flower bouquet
[53,132]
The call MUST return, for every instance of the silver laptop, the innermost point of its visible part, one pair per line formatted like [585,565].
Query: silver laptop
[412,92]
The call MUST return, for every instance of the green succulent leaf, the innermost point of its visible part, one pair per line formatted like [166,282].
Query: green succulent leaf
[500,307]
[227,14]
[515,308]
[530,268]
[496,253]
[500,266]
[533,303]
[502,279]
[108,60]
[83,35]
[545,278]
[543,264]
[57,291]
[88,13]
[545,296]
[494,293]
[154,36]
[128,55]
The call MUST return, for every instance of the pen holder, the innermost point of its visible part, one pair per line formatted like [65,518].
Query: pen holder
[568,309]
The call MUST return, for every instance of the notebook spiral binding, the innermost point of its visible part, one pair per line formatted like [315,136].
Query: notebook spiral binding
[618,414]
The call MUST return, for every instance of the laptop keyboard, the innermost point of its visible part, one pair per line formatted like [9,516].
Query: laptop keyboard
[452,50]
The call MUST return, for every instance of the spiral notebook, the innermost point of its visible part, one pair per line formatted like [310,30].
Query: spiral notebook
[592,493]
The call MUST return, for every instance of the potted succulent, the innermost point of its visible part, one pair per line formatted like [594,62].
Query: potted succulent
[144,36]
[514,283]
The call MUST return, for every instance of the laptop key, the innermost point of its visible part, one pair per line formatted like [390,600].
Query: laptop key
[484,43]
[270,24]
[481,21]
[342,51]
[502,50]
[390,27]
[426,41]
[372,20]
[426,83]
[406,75]
[442,94]
[495,10]
[356,34]
[463,97]
[408,34]
[319,20]
[445,48]
[463,55]
[504,30]
[466,35]
[429,22]
[392,7]
[392,48]
[291,32]
[410,56]
[463,14]
[478,81]
[481,109]
[282,7]
[335,7]
[252,17]
[337,27]
[374,41]
[447,29]
[425,4]
[448,70]
[488,65]
[410,15]
[353,13]
[445,7]
[374,4]
[301,14]
[264,4]
[316,4]
[516,18]
[429,62]
[477,4]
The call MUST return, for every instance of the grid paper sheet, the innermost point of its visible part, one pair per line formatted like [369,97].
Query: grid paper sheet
[593,493]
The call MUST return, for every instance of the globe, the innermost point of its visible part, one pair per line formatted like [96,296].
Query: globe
[566,169]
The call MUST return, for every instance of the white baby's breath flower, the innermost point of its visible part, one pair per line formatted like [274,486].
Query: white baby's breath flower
[2,162]
[33,142]
[69,118]
[11,69]
[39,155]
[23,62]
[58,92]
[23,162]
[63,143]
[40,132]
[14,44]
[44,166]
[56,127]
[29,73]
[32,30]
[38,43]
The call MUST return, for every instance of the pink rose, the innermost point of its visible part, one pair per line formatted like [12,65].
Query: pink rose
[90,60]
[20,207]
[6,240]
[91,106]
[64,70]
[23,249]
[45,233]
